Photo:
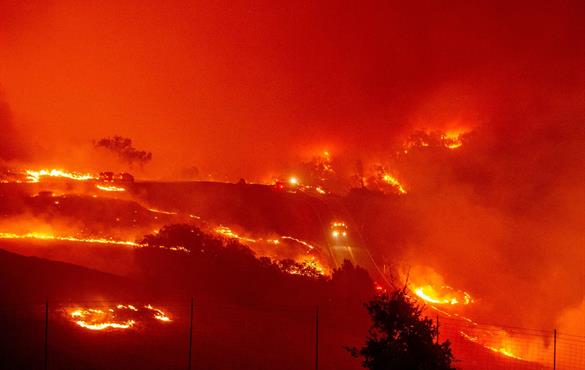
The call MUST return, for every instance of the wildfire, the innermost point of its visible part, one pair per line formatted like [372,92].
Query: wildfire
[36,176]
[115,317]
[153,210]
[306,260]
[110,188]
[391,180]
[158,313]
[452,139]
[228,233]
[47,236]
[445,295]
[506,351]
[302,242]
[303,263]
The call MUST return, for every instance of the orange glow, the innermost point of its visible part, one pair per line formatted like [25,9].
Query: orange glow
[391,180]
[228,233]
[305,259]
[48,236]
[153,210]
[452,139]
[115,317]
[110,188]
[36,176]
[158,313]
[504,350]
[444,295]
[338,229]
[298,241]
[309,261]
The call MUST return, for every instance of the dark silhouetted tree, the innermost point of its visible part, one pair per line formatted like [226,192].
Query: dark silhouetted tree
[123,148]
[351,283]
[400,338]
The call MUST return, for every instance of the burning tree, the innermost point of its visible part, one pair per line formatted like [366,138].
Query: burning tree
[400,338]
[123,148]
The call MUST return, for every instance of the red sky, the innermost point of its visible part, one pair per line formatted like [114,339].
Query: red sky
[242,87]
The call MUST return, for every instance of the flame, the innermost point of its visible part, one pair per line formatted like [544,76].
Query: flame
[110,188]
[430,288]
[506,351]
[48,236]
[307,260]
[228,233]
[391,180]
[298,241]
[452,139]
[36,176]
[153,210]
[445,295]
[158,313]
[115,317]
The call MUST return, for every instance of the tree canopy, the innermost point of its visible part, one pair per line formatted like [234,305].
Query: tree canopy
[401,338]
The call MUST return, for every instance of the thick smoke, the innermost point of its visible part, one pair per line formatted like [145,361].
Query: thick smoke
[502,217]
[244,90]
[12,146]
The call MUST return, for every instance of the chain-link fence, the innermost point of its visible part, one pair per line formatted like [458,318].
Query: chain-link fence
[213,335]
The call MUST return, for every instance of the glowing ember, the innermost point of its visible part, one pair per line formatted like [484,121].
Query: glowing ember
[153,210]
[452,139]
[228,233]
[501,350]
[312,262]
[158,313]
[46,236]
[301,266]
[391,180]
[36,176]
[302,242]
[110,188]
[304,260]
[115,317]
[445,295]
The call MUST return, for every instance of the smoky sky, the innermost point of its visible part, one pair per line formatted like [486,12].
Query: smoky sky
[239,87]
[12,146]
[245,88]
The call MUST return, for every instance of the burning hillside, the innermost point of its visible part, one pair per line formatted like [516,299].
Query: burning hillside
[116,317]
[282,155]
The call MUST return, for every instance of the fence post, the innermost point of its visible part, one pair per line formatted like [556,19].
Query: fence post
[317,338]
[437,330]
[190,333]
[555,350]
[46,359]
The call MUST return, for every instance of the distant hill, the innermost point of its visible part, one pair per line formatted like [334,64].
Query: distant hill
[31,279]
